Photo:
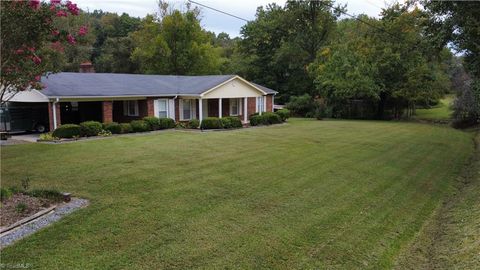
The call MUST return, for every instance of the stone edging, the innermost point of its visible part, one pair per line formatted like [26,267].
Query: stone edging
[31,227]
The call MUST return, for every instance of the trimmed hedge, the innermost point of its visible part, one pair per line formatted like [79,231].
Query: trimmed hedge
[267,118]
[113,127]
[67,131]
[90,128]
[272,118]
[231,122]
[152,122]
[165,123]
[194,123]
[211,123]
[139,126]
[284,114]
[125,128]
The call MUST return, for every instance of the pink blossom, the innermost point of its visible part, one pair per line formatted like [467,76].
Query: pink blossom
[55,2]
[37,78]
[35,4]
[19,51]
[57,46]
[72,8]
[55,32]
[37,60]
[83,30]
[52,7]
[31,49]
[71,39]
[62,13]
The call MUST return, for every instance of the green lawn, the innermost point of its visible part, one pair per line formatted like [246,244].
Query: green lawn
[443,111]
[308,194]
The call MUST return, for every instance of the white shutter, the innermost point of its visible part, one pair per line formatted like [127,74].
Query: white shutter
[205,108]
[256,104]
[240,106]
[155,107]
[194,108]
[171,108]
[180,105]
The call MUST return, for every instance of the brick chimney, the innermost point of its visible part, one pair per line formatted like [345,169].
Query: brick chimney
[86,67]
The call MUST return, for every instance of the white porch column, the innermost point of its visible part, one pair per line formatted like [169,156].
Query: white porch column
[245,108]
[54,109]
[200,110]
[219,108]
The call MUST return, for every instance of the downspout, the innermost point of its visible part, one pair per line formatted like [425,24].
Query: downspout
[54,109]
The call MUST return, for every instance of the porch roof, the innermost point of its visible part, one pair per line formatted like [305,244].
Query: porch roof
[69,84]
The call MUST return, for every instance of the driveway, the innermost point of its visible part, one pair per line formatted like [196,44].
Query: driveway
[21,138]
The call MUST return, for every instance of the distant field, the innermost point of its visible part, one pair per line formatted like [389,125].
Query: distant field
[442,111]
[308,194]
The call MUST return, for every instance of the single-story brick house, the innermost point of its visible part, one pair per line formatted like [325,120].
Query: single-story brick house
[106,97]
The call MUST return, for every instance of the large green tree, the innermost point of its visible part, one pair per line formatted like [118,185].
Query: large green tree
[175,44]
[458,23]
[281,42]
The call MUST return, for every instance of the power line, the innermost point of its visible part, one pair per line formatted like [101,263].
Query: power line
[217,10]
[415,46]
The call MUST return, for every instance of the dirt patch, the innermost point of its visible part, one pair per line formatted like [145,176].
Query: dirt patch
[20,206]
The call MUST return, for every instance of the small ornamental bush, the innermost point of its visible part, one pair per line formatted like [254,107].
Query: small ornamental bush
[272,118]
[139,126]
[211,123]
[90,128]
[67,131]
[152,122]
[231,122]
[125,128]
[165,123]
[105,133]
[50,194]
[47,137]
[257,120]
[113,127]
[194,123]
[284,114]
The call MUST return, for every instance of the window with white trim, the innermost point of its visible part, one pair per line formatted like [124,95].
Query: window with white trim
[187,109]
[162,108]
[234,106]
[130,107]
[260,102]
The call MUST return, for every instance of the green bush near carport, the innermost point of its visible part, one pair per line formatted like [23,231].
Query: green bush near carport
[67,131]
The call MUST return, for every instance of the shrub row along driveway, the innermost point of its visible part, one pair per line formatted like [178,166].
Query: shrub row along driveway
[303,195]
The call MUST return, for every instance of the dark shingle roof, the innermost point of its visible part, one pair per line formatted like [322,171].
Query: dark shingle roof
[71,84]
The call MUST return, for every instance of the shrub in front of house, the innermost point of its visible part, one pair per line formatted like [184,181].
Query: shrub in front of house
[139,126]
[272,118]
[231,122]
[113,127]
[125,128]
[67,131]
[152,122]
[90,128]
[211,123]
[284,114]
[258,120]
[165,123]
[194,123]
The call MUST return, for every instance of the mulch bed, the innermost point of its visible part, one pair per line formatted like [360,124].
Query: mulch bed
[10,212]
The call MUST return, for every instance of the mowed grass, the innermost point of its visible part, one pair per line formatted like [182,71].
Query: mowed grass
[308,194]
[443,111]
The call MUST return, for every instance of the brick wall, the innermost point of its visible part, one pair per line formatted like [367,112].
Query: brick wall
[150,109]
[251,103]
[269,103]
[107,111]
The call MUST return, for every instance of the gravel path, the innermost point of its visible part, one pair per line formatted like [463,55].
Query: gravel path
[27,229]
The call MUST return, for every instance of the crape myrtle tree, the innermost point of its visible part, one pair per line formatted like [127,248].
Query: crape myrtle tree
[32,36]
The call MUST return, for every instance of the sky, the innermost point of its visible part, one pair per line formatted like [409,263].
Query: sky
[214,21]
